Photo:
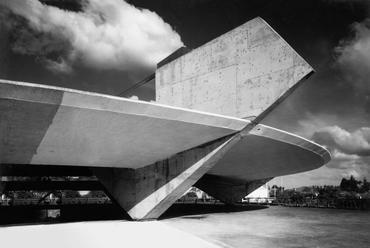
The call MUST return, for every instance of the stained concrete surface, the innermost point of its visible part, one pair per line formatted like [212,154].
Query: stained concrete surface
[240,73]
[38,129]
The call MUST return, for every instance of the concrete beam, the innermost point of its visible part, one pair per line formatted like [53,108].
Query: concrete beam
[145,193]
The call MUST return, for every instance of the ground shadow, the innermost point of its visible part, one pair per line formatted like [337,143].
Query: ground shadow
[28,215]
[198,211]
[24,215]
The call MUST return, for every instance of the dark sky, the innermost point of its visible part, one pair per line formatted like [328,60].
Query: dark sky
[332,107]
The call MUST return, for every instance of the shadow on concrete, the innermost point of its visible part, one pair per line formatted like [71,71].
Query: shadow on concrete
[29,215]
[199,211]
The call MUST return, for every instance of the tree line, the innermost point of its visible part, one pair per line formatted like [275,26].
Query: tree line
[354,185]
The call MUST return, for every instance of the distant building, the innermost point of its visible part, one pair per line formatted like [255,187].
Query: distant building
[260,195]
[261,192]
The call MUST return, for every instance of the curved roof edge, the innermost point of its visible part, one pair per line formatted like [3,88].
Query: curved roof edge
[293,139]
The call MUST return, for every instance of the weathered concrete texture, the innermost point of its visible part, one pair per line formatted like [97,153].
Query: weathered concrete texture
[228,190]
[241,73]
[23,125]
[147,192]
[56,126]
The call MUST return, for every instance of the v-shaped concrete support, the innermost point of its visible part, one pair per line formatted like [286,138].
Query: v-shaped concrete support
[147,192]
[228,190]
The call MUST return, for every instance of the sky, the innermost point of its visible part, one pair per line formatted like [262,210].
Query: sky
[107,46]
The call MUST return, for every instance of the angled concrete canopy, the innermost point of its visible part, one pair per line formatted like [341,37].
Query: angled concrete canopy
[260,155]
[148,154]
[267,152]
[47,125]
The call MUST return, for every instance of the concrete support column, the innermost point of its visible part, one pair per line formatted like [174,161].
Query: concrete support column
[147,192]
[228,190]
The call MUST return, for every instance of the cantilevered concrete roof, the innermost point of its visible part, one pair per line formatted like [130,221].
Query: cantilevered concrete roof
[57,126]
[267,152]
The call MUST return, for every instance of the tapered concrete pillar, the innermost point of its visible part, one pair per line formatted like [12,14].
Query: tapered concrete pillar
[228,190]
[147,192]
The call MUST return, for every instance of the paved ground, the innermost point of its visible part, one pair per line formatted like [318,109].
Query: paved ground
[212,226]
[280,227]
[99,234]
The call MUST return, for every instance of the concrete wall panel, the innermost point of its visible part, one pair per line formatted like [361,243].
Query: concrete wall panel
[240,73]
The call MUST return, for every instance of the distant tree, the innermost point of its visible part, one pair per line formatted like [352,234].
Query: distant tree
[350,184]
[344,184]
[353,184]
[365,187]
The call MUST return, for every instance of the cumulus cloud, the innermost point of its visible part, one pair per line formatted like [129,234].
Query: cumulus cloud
[356,142]
[354,55]
[337,155]
[325,130]
[346,165]
[350,150]
[314,122]
[110,34]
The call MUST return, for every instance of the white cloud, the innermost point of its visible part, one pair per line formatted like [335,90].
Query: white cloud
[311,123]
[322,129]
[350,149]
[356,142]
[354,56]
[337,155]
[110,34]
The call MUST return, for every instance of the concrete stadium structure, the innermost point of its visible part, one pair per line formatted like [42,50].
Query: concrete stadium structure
[204,128]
